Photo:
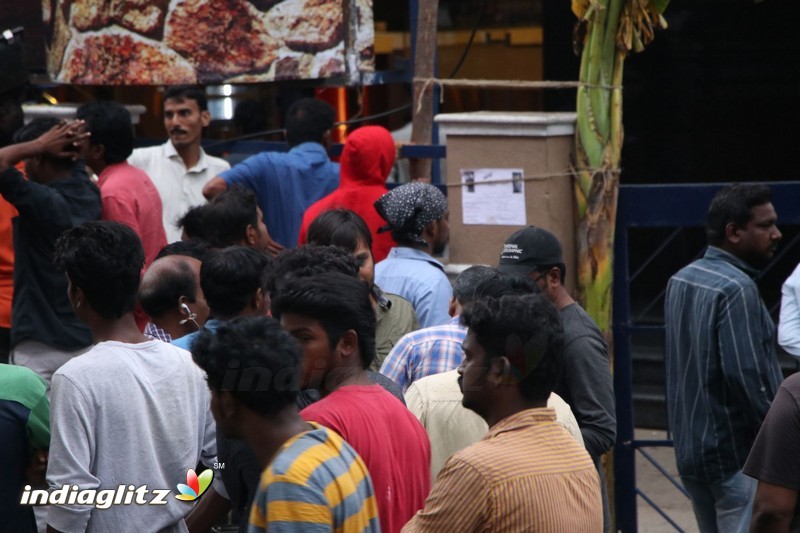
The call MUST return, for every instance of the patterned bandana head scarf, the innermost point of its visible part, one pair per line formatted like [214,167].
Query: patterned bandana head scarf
[409,208]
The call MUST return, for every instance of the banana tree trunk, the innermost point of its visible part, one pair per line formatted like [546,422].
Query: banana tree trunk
[598,148]
[613,28]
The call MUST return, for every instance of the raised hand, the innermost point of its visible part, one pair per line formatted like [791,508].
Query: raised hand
[64,139]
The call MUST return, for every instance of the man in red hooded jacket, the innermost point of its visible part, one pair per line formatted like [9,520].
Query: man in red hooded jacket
[366,162]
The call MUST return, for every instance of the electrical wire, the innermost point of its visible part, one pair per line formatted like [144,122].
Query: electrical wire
[274,132]
[373,117]
[478,18]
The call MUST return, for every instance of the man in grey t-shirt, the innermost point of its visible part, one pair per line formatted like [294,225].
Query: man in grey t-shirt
[586,383]
[131,411]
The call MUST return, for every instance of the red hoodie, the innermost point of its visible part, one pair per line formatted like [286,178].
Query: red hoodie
[366,161]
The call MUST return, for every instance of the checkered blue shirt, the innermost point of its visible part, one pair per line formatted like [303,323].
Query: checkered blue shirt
[153,332]
[425,352]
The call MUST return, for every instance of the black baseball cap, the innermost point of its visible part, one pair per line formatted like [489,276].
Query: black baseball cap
[528,249]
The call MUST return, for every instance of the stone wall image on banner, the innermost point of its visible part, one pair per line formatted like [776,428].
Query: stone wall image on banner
[167,42]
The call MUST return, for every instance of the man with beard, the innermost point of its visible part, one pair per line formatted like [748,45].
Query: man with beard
[722,370]
[527,473]
[180,168]
[418,218]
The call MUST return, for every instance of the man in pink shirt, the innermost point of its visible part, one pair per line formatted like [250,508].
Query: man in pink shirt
[331,316]
[127,193]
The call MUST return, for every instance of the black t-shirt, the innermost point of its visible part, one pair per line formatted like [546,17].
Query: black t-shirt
[775,455]
[41,309]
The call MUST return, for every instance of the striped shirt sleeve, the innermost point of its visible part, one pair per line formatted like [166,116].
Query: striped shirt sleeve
[743,358]
[289,505]
[459,501]
[293,506]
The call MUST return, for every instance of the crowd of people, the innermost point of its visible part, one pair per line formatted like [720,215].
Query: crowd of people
[285,324]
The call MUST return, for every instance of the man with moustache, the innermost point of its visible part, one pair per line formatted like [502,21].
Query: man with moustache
[721,366]
[180,168]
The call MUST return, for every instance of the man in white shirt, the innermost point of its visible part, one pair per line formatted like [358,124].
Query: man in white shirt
[789,323]
[180,168]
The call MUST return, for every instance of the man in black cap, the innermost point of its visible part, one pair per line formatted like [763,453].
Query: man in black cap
[418,218]
[586,382]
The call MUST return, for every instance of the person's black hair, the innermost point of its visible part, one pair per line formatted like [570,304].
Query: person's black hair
[11,116]
[468,281]
[250,116]
[35,129]
[305,261]
[230,278]
[104,259]
[338,301]
[562,270]
[527,330]
[187,92]
[734,204]
[339,227]
[110,125]
[191,248]
[254,360]
[502,283]
[161,296]
[226,217]
[307,121]
[194,223]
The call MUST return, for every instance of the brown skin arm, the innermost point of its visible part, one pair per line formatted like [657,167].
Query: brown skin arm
[214,187]
[773,508]
[36,469]
[274,247]
[208,512]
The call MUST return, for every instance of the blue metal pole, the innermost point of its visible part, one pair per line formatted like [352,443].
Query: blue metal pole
[624,452]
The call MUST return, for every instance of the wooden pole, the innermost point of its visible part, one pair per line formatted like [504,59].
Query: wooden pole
[424,68]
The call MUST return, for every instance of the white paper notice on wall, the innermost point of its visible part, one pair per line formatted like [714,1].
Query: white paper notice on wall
[493,196]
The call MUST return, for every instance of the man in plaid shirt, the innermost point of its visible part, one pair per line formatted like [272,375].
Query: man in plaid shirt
[438,348]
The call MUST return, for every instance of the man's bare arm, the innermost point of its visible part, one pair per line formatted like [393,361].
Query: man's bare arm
[214,187]
[208,512]
[773,508]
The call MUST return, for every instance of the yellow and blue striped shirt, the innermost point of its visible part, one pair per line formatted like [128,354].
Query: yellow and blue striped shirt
[315,482]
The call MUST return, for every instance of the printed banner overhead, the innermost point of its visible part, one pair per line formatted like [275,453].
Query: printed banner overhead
[168,42]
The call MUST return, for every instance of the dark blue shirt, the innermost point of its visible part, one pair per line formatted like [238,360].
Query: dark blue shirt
[286,184]
[721,365]
[24,426]
[41,310]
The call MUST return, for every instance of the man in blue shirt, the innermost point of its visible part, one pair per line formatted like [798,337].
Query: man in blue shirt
[287,183]
[722,369]
[418,218]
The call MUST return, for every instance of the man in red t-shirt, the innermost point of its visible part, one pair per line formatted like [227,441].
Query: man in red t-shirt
[128,194]
[332,318]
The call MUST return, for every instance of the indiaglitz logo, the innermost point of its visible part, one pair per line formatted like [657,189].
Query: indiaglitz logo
[195,485]
[122,495]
